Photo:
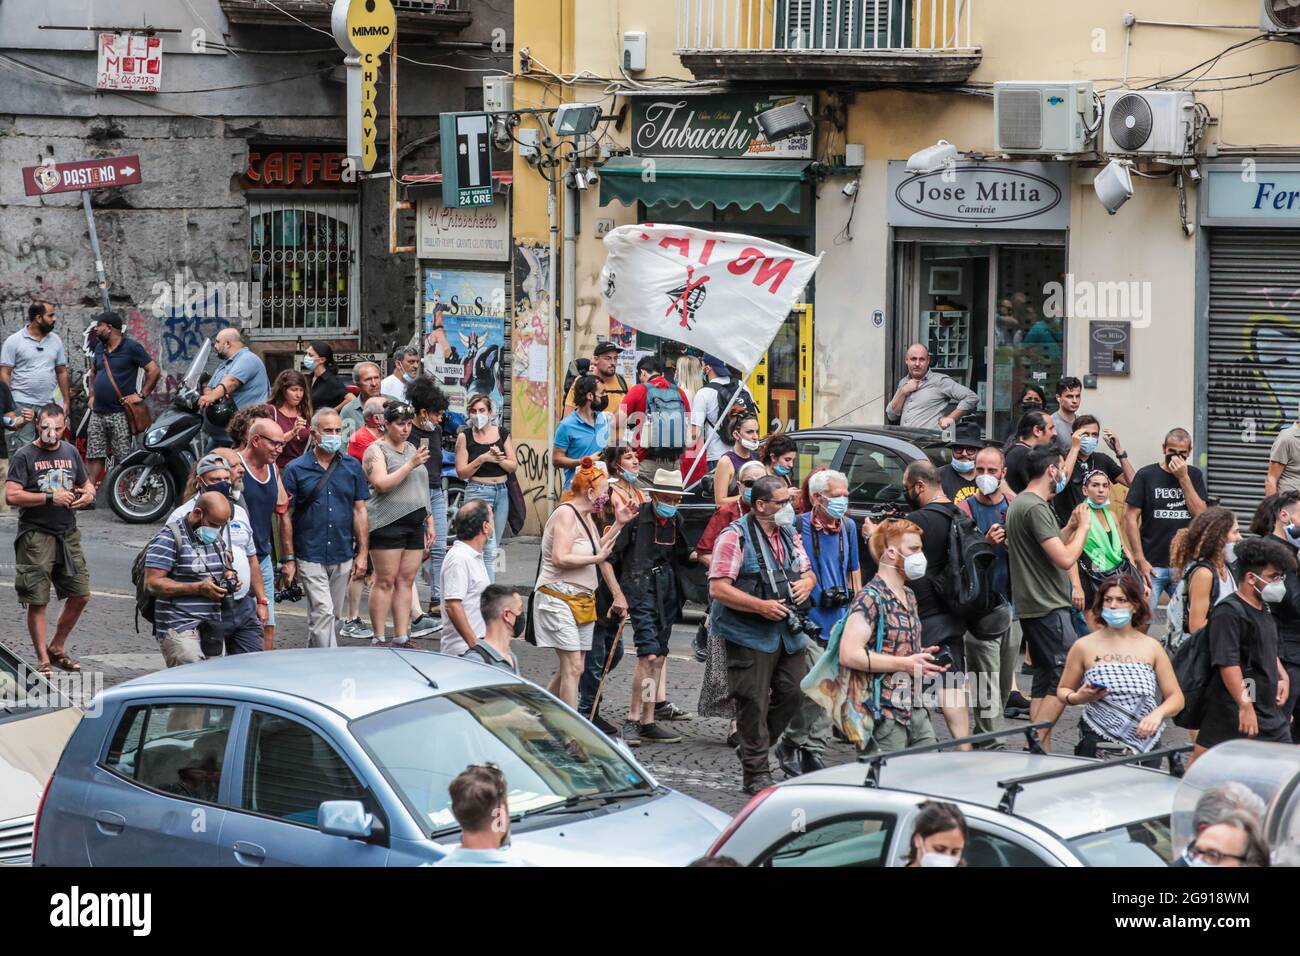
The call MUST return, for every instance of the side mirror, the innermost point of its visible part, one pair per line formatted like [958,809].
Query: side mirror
[348,818]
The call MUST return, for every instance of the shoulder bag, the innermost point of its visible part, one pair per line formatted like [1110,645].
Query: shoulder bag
[138,416]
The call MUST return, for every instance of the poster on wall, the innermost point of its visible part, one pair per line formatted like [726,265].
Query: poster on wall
[532,339]
[464,333]
[624,336]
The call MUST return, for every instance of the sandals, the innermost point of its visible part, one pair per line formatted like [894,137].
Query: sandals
[63,661]
[43,669]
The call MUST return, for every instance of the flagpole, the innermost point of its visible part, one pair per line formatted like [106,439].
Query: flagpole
[713,430]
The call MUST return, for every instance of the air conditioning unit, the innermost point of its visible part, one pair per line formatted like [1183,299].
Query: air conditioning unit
[1279,16]
[1043,117]
[1150,122]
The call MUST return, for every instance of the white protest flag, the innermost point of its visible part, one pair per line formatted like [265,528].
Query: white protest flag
[720,292]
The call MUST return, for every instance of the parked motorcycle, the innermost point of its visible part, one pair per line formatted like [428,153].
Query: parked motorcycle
[145,486]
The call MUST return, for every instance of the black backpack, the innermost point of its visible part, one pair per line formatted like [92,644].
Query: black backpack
[1194,668]
[966,584]
[744,401]
[144,601]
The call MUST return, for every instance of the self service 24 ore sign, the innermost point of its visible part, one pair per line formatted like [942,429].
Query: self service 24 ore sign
[981,196]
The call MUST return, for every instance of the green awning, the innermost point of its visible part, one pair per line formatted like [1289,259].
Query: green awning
[702,182]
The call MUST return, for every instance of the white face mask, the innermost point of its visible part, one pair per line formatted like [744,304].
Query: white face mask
[914,566]
[1230,551]
[750,444]
[785,517]
[939,859]
[1273,592]
[481,420]
[987,484]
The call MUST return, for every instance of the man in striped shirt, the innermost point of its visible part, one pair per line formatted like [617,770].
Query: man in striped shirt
[186,567]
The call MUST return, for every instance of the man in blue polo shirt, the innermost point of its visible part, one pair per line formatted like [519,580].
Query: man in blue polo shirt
[241,376]
[585,430]
[330,532]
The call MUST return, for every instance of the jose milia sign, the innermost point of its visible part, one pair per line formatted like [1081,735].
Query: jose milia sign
[981,196]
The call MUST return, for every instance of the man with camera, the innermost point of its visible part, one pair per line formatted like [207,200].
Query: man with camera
[329,531]
[759,578]
[242,619]
[188,571]
[831,538]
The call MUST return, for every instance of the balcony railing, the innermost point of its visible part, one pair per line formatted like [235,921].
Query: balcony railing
[845,40]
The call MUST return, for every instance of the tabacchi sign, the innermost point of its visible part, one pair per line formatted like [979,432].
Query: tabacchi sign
[711,126]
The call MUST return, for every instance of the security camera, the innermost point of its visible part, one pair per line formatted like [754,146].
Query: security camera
[850,187]
[784,121]
[580,180]
[932,158]
[1114,185]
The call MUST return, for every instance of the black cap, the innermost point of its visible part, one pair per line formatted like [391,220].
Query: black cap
[966,436]
[110,318]
[606,347]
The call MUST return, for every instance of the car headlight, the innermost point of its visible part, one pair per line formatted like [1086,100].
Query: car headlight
[155,435]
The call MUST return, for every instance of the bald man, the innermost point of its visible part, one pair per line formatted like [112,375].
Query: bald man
[265,500]
[187,570]
[927,399]
[241,376]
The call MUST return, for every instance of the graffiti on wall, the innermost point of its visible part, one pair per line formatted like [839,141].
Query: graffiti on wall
[1256,395]
[531,341]
[534,471]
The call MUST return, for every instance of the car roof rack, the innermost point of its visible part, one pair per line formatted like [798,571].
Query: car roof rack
[875,761]
[1011,788]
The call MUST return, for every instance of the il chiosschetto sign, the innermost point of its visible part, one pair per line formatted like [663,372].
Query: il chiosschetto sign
[982,195]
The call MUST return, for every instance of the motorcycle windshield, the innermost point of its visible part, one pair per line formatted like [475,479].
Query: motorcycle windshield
[198,365]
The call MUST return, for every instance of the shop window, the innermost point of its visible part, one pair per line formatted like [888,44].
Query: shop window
[304,255]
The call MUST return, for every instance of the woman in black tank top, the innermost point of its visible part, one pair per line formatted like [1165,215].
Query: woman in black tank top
[485,457]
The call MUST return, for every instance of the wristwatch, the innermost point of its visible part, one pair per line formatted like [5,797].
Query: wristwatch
[1122,455]
[264,602]
[49,497]
[287,558]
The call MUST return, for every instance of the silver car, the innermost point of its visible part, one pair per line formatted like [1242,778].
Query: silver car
[342,757]
[1078,812]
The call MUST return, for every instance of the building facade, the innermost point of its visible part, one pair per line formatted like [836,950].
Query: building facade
[246,214]
[1179,309]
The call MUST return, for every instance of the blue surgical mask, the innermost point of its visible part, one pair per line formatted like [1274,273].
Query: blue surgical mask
[408,379]
[331,443]
[1096,505]
[1116,617]
[747,494]
[665,511]
[308,363]
[963,466]
[782,470]
[838,506]
[630,476]
[1088,444]
[1062,480]
[207,535]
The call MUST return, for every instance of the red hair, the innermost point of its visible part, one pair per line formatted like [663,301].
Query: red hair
[586,477]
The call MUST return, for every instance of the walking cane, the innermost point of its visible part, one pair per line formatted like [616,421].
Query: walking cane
[609,662]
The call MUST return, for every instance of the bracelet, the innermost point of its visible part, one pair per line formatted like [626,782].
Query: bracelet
[264,602]
[287,558]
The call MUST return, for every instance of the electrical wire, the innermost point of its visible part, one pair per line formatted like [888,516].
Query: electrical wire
[211,89]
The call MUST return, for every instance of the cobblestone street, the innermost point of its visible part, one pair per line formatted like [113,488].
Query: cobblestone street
[702,765]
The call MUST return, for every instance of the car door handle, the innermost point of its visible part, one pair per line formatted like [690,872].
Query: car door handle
[250,854]
[110,823]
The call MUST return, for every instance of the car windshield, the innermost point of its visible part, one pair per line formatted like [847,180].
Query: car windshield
[548,756]
[939,455]
[1143,843]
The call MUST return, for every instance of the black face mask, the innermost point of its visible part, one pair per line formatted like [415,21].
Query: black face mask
[521,622]
[600,404]
[220,487]
[1032,406]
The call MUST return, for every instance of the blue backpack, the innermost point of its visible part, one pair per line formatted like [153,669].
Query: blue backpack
[666,422]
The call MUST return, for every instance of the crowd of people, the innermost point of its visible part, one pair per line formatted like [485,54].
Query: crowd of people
[818,624]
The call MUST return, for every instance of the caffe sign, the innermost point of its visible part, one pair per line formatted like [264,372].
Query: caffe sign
[713,126]
[981,196]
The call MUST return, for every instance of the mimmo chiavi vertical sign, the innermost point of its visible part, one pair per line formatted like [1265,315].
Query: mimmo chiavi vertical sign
[363,29]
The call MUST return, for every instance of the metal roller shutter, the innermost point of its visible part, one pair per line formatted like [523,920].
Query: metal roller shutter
[1254,373]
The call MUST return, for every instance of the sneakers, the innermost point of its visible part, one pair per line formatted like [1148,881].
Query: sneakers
[423,626]
[657,735]
[670,711]
[631,733]
[1017,706]
[604,726]
[356,628]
